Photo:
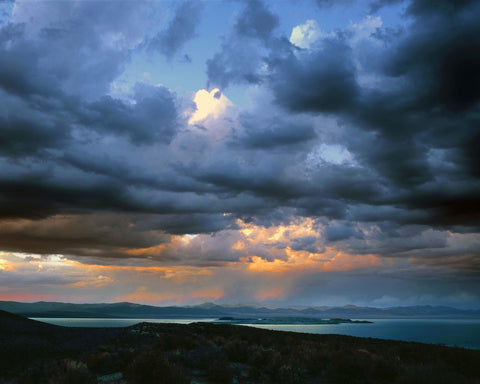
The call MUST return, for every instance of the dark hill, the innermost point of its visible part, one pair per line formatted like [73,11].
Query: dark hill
[26,342]
[14,324]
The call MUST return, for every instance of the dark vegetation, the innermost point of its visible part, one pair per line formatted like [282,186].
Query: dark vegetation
[33,352]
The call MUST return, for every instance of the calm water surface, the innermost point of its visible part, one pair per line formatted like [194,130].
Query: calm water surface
[453,332]
[460,332]
[93,322]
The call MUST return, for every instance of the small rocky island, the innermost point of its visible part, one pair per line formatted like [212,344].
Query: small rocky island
[287,321]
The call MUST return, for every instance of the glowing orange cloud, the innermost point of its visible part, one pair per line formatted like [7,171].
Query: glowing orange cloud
[142,295]
[157,250]
[257,264]
[285,259]
[92,283]
[346,262]
[5,265]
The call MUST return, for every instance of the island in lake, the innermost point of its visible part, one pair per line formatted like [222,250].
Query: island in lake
[287,321]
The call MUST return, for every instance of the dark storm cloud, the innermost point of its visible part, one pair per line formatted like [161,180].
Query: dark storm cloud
[53,104]
[76,47]
[306,243]
[240,57]
[262,183]
[429,102]
[339,232]
[101,235]
[401,241]
[153,117]
[27,135]
[272,133]
[320,81]
[35,126]
[178,224]
[256,21]
[19,68]
[424,7]
[441,58]
[327,192]
[238,62]
[437,109]
[403,163]
[38,195]
[37,71]
[180,30]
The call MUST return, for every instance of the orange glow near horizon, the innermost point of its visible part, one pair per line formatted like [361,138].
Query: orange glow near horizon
[262,263]
[270,294]
[26,297]
[142,295]
[168,272]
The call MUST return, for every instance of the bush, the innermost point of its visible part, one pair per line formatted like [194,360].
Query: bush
[288,374]
[237,351]
[220,372]
[155,369]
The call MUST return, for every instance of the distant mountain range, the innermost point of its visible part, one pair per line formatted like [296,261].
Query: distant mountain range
[209,310]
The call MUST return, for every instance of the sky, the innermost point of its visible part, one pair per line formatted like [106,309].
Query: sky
[290,153]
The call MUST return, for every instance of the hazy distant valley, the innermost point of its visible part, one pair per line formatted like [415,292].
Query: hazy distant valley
[213,311]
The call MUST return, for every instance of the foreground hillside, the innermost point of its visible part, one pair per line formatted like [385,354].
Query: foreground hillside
[34,352]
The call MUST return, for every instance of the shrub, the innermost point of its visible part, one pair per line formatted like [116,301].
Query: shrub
[237,351]
[219,371]
[154,368]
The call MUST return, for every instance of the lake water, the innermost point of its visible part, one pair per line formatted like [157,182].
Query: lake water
[111,323]
[460,332]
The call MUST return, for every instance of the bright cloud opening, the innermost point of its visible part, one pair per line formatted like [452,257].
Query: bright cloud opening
[304,35]
[212,103]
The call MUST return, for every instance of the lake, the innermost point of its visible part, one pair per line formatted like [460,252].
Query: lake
[452,332]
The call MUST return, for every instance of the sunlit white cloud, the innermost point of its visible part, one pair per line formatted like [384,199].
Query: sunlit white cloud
[304,35]
[209,104]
